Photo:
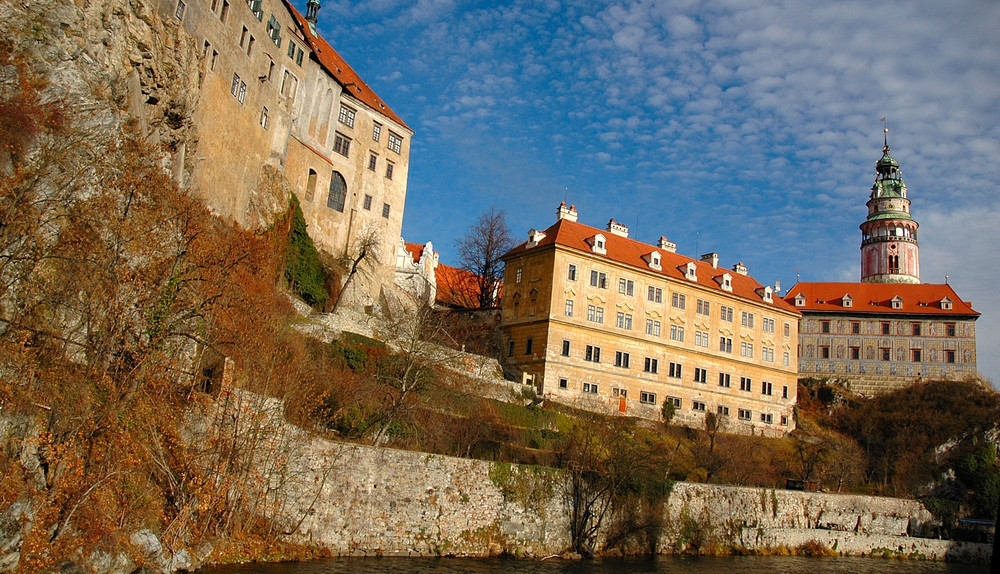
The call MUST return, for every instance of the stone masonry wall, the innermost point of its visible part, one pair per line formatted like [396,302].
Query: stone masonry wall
[360,500]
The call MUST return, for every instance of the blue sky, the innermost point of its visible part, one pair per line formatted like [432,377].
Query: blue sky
[746,127]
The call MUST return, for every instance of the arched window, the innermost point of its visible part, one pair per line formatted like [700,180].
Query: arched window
[338,192]
[311,185]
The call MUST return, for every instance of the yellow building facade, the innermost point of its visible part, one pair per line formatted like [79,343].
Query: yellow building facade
[611,324]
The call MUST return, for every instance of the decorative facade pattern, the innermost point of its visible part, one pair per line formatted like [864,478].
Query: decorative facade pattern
[611,324]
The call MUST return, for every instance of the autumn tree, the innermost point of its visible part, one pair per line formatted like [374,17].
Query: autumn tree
[479,253]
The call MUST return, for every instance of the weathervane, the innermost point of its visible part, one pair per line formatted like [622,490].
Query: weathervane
[885,132]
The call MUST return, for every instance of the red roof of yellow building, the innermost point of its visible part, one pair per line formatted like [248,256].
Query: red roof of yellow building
[337,67]
[630,252]
[913,298]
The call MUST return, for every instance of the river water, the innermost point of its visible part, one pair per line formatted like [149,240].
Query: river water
[658,565]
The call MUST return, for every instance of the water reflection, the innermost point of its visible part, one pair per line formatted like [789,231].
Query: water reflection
[659,565]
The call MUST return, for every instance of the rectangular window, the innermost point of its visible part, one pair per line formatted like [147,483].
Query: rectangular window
[518,274]
[592,354]
[698,406]
[725,313]
[824,352]
[700,375]
[726,344]
[766,388]
[886,354]
[677,333]
[255,8]
[768,325]
[593,278]
[571,274]
[747,319]
[675,401]
[744,414]
[510,349]
[595,314]
[622,359]
[250,45]
[949,329]
[619,392]
[569,308]
[626,286]
[372,161]
[784,391]
[704,307]
[856,327]
[915,355]
[678,301]
[224,15]
[767,354]
[628,322]
[652,327]
[298,57]
[565,348]
[590,388]
[675,370]
[701,339]
[563,383]
[368,202]
[620,320]
[274,30]
[215,58]
[824,326]
[787,359]
[235,88]
[389,168]
[342,144]
[647,398]
[528,344]
[291,49]
[347,116]
[949,356]
[886,328]
[242,93]
[784,420]
[395,142]
[263,118]
[270,69]
[651,365]
[654,294]
[723,410]
[746,349]
[179,11]
[788,329]
[376,131]
[746,384]
[766,418]
[724,380]
[856,353]
[385,210]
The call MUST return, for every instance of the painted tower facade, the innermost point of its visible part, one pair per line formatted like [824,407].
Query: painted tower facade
[889,250]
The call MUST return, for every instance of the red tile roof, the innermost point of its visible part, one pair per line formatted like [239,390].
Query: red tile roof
[630,252]
[337,67]
[416,251]
[917,298]
[456,287]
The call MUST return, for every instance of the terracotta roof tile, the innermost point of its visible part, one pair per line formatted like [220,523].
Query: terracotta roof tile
[630,252]
[337,67]
[456,287]
[918,298]
[416,251]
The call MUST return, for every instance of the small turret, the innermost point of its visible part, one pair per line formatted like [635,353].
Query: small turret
[312,11]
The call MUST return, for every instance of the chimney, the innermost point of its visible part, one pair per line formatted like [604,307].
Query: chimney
[566,212]
[312,12]
[712,258]
[667,245]
[740,268]
[617,228]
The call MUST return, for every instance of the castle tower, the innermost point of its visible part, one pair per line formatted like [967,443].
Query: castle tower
[889,250]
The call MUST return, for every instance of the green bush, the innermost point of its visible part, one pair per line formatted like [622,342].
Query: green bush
[303,270]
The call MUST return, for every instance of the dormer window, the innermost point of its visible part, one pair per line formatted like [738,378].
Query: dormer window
[725,282]
[767,294]
[691,271]
[653,260]
[896,302]
[598,244]
[800,300]
[534,236]
[847,301]
[946,304]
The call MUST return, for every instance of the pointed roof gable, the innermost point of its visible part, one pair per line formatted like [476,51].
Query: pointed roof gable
[573,235]
[339,69]
[877,298]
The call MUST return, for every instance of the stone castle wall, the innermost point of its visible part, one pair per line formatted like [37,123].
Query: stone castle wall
[361,500]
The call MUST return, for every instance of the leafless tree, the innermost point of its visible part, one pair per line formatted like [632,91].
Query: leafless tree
[362,260]
[479,252]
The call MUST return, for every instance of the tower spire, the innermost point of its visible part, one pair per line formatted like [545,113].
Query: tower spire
[889,250]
